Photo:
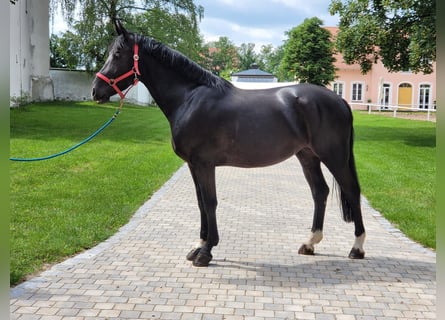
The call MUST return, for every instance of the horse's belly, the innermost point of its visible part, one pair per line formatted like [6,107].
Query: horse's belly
[259,154]
[253,163]
[241,142]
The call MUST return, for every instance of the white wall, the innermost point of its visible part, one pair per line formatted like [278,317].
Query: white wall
[30,75]
[29,50]
[71,85]
[77,85]
[20,55]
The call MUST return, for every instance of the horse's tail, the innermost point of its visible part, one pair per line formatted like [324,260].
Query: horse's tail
[348,212]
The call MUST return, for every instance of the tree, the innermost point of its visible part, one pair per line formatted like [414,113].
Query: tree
[402,33]
[269,60]
[61,51]
[173,29]
[247,55]
[96,30]
[308,53]
[220,57]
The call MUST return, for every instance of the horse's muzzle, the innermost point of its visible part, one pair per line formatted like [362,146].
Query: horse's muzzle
[97,98]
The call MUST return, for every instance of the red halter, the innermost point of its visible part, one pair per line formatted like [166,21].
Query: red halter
[134,71]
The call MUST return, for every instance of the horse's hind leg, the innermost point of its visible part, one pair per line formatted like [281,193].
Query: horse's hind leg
[346,177]
[320,190]
[350,198]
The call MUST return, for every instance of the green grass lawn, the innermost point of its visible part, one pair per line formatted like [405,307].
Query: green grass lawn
[396,162]
[67,204]
[70,203]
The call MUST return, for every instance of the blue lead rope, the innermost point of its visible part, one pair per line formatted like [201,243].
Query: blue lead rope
[75,146]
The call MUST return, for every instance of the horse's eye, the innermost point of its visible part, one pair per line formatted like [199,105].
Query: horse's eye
[116,55]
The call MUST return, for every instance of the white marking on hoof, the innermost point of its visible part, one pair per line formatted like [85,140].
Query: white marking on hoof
[358,244]
[314,238]
[199,244]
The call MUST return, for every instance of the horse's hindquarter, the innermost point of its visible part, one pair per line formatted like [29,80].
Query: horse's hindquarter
[241,128]
[328,120]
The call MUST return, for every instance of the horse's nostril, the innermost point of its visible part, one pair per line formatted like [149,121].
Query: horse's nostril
[93,92]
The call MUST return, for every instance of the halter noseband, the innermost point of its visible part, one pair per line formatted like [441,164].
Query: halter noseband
[134,71]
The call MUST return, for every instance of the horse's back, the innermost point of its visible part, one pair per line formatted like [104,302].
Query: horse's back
[306,107]
[305,97]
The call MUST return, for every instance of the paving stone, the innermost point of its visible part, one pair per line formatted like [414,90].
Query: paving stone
[263,215]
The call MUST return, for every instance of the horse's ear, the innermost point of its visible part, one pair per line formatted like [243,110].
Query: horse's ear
[119,27]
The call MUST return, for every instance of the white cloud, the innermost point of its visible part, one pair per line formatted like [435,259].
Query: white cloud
[241,4]
[315,8]
[294,4]
[213,28]
[259,21]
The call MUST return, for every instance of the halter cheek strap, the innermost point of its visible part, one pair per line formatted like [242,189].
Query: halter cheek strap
[134,71]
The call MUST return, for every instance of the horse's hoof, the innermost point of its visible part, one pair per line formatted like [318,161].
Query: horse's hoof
[202,260]
[193,254]
[356,254]
[306,250]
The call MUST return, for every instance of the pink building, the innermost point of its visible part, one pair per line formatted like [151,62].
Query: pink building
[381,88]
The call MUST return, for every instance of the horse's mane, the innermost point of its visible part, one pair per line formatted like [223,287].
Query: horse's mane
[182,64]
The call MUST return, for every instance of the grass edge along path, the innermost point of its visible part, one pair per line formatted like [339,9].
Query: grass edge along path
[62,206]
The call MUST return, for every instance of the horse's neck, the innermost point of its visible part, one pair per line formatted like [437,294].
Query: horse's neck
[168,88]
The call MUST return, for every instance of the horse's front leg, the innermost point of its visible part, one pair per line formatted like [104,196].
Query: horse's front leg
[320,190]
[191,256]
[204,179]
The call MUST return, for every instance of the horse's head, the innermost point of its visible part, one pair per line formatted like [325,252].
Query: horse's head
[121,68]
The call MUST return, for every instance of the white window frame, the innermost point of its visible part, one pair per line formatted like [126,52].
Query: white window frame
[339,84]
[430,91]
[387,87]
[362,92]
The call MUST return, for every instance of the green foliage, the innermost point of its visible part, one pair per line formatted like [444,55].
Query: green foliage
[61,206]
[64,51]
[402,33]
[220,57]
[224,58]
[247,56]
[308,53]
[269,60]
[174,22]
[173,29]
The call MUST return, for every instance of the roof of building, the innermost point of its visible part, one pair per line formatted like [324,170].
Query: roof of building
[254,71]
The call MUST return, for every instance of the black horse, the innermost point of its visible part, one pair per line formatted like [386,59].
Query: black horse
[214,123]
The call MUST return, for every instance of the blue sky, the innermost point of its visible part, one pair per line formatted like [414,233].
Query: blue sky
[251,21]
[259,21]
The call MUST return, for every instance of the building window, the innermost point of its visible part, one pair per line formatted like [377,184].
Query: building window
[424,96]
[357,91]
[385,99]
[337,87]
